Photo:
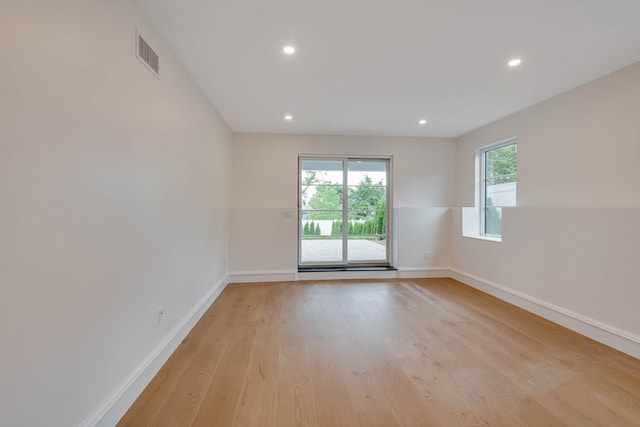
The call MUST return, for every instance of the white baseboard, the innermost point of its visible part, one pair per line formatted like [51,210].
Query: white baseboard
[621,340]
[109,412]
[262,276]
[293,276]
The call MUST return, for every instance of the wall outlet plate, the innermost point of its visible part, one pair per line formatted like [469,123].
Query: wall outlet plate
[160,315]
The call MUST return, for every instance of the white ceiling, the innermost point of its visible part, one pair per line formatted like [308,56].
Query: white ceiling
[373,67]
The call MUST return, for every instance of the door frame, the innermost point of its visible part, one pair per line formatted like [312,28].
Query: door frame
[344,263]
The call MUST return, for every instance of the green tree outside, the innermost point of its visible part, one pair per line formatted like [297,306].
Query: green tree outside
[501,165]
[367,206]
[364,198]
[326,198]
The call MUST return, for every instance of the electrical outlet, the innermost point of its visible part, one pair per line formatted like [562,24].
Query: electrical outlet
[426,256]
[160,315]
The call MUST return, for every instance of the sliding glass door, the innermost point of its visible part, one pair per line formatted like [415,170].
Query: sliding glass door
[343,211]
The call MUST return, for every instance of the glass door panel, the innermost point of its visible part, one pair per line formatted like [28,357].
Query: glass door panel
[367,211]
[321,211]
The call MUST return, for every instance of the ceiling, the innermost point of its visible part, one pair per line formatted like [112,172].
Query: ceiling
[373,67]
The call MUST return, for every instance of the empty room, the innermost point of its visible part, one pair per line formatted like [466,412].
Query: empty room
[282,213]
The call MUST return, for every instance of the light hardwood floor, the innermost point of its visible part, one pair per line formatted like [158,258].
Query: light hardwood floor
[420,352]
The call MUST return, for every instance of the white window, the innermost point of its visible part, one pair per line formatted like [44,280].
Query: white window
[498,169]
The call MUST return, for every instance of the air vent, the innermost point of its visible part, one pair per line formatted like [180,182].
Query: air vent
[147,56]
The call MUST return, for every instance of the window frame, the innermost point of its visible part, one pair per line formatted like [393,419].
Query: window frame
[482,179]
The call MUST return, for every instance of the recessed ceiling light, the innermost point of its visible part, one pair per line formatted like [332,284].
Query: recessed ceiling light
[514,62]
[288,117]
[422,122]
[289,50]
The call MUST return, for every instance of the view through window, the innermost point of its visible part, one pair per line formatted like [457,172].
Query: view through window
[498,185]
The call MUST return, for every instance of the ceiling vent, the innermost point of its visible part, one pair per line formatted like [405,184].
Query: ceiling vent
[147,56]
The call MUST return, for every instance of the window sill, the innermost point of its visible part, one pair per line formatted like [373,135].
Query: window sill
[481,237]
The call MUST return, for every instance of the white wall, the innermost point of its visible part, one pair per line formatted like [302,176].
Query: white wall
[573,242]
[265,178]
[114,188]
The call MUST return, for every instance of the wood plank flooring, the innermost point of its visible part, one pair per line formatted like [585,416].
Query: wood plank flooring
[398,353]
